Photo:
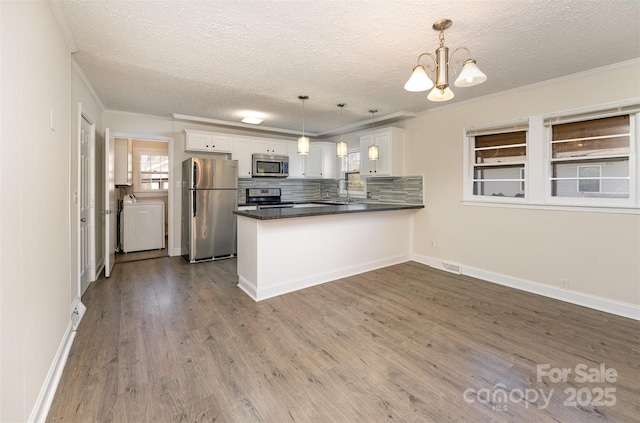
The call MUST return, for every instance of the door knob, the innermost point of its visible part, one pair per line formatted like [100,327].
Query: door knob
[84,219]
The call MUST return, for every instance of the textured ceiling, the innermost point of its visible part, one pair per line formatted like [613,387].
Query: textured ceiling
[216,59]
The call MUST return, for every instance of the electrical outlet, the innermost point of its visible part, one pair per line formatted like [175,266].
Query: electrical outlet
[433,244]
[564,283]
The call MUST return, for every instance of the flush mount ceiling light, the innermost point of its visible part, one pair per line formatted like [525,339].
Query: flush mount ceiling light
[342,147]
[303,142]
[252,120]
[469,76]
[374,152]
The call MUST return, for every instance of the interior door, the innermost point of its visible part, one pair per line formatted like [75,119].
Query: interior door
[109,204]
[87,251]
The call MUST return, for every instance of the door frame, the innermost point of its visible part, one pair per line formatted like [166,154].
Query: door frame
[170,198]
[83,113]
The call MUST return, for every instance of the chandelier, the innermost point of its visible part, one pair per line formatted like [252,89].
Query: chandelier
[469,76]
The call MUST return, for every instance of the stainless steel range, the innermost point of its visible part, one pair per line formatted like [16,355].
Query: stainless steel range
[266,198]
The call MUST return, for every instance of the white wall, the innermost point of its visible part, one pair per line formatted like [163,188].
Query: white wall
[597,252]
[35,247]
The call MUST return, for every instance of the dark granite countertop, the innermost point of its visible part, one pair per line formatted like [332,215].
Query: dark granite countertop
[323,210]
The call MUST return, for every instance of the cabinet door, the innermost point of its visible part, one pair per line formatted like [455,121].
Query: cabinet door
[296,161]
[261,146]
[242,151]
[367,167]
[314,161]
[221,144]
[329,160]
[123,169]
[198,142]
[278,147]
[383,167]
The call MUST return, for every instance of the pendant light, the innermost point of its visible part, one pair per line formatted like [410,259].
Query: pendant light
[342,148]
[303,142]
[374,152]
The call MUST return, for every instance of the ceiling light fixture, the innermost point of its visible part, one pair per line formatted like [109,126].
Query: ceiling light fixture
[252,120]
[469,76]
[342,148]
[303,142]
[374,152]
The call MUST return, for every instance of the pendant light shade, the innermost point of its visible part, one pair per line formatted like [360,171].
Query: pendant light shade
[342,148]
[437,94]
[470,75]
[303,145]
[303,142]
[373,151]
[419,81]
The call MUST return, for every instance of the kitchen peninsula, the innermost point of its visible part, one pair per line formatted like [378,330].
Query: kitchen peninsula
[286,249]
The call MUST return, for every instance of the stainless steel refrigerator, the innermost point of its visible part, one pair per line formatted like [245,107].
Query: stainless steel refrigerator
[209,197]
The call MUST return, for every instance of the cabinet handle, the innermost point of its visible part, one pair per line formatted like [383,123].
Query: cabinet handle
[213,146]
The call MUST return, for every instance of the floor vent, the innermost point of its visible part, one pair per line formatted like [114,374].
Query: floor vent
[76,314]
[447,267]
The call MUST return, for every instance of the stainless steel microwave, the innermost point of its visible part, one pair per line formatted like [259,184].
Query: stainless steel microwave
[269,165]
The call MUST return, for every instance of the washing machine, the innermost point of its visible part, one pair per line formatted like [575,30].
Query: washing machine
[142,226]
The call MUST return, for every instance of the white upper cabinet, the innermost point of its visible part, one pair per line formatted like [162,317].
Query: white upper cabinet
[207,142]
[265,146]
[296,161]
[123,169]
[242,151]
[321,160]
[390,142]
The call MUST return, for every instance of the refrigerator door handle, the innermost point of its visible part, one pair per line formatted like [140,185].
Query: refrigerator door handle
[195,174]
[194,203]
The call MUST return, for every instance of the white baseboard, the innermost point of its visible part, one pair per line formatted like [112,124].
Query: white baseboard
[574,297]
[43,403]
[294,285]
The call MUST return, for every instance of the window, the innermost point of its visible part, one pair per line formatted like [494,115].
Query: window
[498,162]
[352,173]
[584,159]
[590,158]
[150,169]
[154,172]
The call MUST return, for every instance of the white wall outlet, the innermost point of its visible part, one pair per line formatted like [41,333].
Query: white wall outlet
[564,283]
[433,244]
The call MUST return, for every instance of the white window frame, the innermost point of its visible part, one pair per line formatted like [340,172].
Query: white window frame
[518,125]
[584,115]
[538,163]
[139,151]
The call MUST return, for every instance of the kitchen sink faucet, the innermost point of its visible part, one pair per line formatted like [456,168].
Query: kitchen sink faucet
[346,184]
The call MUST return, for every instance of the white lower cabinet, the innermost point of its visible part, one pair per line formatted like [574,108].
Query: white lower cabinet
[390,142]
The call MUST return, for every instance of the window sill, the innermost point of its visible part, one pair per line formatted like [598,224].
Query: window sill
[556,207]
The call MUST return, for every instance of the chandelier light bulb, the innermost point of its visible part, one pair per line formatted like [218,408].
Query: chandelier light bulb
[470,75]
[438,94]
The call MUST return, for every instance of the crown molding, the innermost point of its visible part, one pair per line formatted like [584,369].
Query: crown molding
[61,17]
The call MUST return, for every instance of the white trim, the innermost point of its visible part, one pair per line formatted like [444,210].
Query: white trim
[618,308]
[82,75]
[45,398]
[505,203]
[172,175]
[63,24]
[317,279]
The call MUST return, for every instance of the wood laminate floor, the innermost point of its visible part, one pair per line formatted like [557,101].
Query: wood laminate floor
[166,341]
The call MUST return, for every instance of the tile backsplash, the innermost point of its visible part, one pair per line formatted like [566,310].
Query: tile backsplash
[401,190]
